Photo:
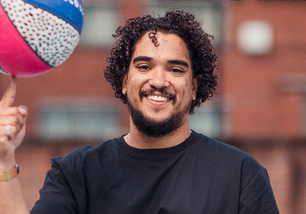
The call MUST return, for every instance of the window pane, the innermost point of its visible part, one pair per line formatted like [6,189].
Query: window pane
[71,121]
[100,22]
[210,14]
[207,120]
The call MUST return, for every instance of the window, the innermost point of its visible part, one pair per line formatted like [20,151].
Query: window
[82,119]
[207,120]
[100,22]
[208,12]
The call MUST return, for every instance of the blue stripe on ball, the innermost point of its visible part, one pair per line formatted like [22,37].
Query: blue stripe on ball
[69,10]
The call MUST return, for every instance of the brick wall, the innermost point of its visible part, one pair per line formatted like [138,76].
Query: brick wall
[261,106]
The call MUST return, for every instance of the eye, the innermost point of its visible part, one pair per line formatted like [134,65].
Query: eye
[143,67]
[177,70]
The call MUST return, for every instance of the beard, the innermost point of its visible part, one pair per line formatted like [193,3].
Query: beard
[156,129]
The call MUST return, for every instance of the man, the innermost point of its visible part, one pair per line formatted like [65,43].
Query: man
[162,68]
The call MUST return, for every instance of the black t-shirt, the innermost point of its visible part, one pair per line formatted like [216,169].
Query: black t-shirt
[198,176]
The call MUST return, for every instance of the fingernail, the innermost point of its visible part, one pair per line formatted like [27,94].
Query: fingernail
[23,108]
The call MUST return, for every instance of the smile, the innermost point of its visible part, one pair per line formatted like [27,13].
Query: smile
[158,98]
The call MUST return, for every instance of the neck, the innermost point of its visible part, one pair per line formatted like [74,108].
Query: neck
[139,140]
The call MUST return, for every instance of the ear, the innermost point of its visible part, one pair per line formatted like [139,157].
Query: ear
[195,84]
[124,83]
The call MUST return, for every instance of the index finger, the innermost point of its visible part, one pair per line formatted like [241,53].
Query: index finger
[10,93]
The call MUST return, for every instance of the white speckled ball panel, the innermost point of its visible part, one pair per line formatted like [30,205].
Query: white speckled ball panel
[50,37]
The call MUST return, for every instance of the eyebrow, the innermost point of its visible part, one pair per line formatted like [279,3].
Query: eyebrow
[178,62]
[142,58]
[149,59]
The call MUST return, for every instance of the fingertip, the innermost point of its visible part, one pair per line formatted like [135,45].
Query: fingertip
[23,109]
[13,78]
[10,93]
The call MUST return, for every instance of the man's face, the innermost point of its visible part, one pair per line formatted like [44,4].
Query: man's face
[160,85]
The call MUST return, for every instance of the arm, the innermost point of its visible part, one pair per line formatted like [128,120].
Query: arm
[12,200]
[257,195]
[61,193]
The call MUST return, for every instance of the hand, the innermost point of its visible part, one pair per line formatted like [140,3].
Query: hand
[13,117]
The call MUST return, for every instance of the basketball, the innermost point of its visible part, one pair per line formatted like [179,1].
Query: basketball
[38,35]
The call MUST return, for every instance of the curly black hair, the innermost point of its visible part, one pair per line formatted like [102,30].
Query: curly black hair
[179,22]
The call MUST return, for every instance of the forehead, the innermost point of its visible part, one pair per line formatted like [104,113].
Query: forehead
[167,45]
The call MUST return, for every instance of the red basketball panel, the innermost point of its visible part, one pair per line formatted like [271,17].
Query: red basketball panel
[16,57]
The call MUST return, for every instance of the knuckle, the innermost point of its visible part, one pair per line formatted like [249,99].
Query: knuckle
[15,121]
[15,110]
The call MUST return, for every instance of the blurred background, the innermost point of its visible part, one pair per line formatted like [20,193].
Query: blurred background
[260,105]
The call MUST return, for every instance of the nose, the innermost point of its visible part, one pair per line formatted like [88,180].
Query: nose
[158,78]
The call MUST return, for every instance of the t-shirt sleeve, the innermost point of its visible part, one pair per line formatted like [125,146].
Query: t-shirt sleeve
[256,194]
[63,191]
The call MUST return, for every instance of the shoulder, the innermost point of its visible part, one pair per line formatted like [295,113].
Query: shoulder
[232,163]
[82,156]
[227,155]
[219,148]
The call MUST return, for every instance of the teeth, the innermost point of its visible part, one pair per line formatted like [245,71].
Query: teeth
[158,98]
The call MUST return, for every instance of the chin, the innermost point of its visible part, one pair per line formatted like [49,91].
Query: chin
[154,126]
